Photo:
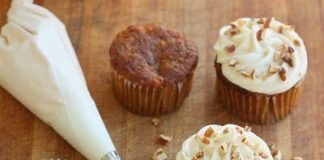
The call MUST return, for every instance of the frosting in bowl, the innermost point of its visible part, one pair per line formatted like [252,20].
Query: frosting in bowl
[261,55]
[229,142]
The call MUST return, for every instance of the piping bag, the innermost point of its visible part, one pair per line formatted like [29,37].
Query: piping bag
[39,67]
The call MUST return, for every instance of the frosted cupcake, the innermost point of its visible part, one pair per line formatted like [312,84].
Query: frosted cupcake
[229,142]
[260,65]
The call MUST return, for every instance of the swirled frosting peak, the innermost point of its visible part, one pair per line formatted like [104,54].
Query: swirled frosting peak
[229,142]
[261,55]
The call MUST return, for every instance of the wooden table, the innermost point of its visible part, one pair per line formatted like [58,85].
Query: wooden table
[92,24]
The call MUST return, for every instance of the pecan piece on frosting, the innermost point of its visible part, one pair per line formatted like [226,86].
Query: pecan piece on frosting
[282,74]
[233,30]
[259,35]
[209,132]
[296,42]
[274,68]
[268,22]
[230,48]
[233,62]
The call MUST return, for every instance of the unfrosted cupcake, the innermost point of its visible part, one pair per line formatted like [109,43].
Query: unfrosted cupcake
[229,142]
[260,65]
[152,68]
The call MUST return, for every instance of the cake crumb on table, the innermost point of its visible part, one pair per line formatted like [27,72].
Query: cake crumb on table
[156,121]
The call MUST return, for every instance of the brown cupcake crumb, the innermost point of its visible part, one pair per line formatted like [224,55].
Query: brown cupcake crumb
[156,121]
[248,128]
[276,154]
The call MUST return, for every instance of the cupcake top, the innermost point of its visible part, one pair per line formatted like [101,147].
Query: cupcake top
[153,55]
[229,142]
[261,55]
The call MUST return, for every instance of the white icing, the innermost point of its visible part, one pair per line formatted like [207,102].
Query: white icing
[252,54]
[231,141]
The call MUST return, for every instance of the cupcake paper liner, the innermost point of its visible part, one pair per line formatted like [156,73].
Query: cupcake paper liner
[147,100]
[256,107]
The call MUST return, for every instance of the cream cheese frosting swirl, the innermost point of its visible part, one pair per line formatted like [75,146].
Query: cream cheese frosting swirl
[261,55]
[229,142]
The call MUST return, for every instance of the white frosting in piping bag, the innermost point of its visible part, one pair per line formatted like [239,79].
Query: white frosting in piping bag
[252,55]
[229,142]
[38,66]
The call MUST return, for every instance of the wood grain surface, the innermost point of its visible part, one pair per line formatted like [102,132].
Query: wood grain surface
[92,24]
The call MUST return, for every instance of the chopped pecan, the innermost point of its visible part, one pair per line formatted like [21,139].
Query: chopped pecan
[233,30]
[200,154]
[233,62]
[280,30]
[260,21]
[259,35]
[288,60]
[296,42]
[282,74]
[209,132]
[222,150]
[268,22]
[205,140]
[290,50]
[156,121]
[263,155]
[276,154]
[230,48]
[248,128]
[248,75]
[274,68]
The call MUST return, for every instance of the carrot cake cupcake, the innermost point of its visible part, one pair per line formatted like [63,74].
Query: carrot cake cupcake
[152,68]
[260,64]
[229,142]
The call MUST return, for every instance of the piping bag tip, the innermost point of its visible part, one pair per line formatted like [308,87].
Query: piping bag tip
[113,155]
